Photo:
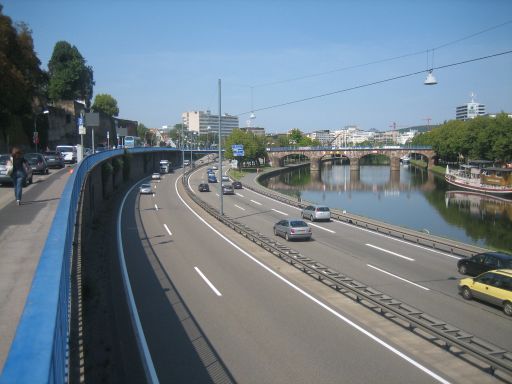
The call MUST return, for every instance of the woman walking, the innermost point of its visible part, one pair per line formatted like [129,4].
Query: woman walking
[19,172]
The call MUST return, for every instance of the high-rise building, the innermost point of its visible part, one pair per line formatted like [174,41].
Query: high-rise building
[470,110]
[206,123]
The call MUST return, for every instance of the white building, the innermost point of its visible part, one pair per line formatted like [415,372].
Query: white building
[350,136]
[470,110]
[406,137]
[205,123]
[325,137]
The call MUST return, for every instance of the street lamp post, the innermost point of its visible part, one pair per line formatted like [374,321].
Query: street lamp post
[36,133]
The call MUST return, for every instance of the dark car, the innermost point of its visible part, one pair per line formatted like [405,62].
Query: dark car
[483,262]
[37,162]
[293,229]
[203,187]
[237,185]
[54,159]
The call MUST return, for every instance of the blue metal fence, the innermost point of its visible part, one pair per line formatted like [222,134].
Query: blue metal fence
[38,352]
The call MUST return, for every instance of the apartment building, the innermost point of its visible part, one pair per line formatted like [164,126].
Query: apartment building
[205,123]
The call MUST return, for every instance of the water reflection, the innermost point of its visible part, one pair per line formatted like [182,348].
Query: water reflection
[412,198]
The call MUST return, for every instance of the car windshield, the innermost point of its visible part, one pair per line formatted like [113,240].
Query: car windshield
[4,158]
[145,186]
[298,223]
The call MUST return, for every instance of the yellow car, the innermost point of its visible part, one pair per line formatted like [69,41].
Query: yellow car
[494,287]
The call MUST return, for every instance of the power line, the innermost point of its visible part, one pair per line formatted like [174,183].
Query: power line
[374,83]
[382,60]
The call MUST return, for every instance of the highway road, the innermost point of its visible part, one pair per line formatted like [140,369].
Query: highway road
[216,308]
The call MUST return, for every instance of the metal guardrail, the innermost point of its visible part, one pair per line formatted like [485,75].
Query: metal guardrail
[451,338]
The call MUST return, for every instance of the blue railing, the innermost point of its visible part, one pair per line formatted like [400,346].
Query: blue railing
[38,352]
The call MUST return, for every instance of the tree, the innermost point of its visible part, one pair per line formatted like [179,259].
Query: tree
[141,131]
[22,82]
[70,77]
[254,146]
[105,103]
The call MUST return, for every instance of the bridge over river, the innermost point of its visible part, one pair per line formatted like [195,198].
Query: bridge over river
[316,155]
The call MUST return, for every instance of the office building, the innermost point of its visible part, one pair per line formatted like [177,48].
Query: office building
[206,123]
[470,110]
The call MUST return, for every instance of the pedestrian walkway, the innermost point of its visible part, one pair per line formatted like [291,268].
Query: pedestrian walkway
[23,233]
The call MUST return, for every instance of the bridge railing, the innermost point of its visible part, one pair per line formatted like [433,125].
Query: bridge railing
[39,351]
[347,148]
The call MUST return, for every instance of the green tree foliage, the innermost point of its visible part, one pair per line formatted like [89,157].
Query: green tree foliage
[70,77]
[21,80]
[141,131]
[105,103]
[483,138]
[254,146]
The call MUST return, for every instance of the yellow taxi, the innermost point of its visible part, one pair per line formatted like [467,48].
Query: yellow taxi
[494,287]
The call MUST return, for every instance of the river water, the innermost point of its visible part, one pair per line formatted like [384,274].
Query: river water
[412,198]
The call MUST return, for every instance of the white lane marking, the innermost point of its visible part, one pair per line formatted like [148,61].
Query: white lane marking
[243,209]
[167,229]
[318,226]
[208,282]
[156,207]
[315,300]
[154,194]
[217,195]
[239,194]
[255,202]
[368,230]
[390,252]
[282,213]
[398,277]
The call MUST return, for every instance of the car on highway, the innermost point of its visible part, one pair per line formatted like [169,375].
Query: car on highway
[54,159]
[493,287]
[214,167]
[227,189]
[224,179]
[155,176]
[37,162]
[203,187]
[212,178]
[316,212]
[7,179]
[145,189]
[292,229]
[483,262]
[186,162]
[237,184]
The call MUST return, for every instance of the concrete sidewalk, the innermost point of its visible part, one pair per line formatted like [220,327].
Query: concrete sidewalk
[23,233]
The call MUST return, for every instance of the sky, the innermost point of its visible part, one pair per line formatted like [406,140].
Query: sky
[160,58]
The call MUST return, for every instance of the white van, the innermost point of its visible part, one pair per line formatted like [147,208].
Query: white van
[165,166]
[68,152]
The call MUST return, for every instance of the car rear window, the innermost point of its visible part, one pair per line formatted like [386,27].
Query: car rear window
[323,209]
[3,159]
[298,223]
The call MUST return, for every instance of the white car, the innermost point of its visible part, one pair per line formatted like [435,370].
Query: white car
[225,178]
[155,176]
[146,189]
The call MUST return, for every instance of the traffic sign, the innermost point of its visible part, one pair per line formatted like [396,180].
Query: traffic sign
[238,150]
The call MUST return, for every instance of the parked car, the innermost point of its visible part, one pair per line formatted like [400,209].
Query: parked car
[155,176]
[37,163]
[203,187]
[68,152]
[494,287]
[293,229]
[145,189]
[483,262]
[316,212]
[54,159]
[4,178]
[227,189]
[237,185]
[212,178]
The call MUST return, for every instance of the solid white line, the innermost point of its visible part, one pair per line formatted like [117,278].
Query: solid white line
[239,194]
[315,300]
[243,209]
[208,282]
[156,207]
[318,226]
[282,213]
[398,277]
[167,229]
[391,253]
[255,202]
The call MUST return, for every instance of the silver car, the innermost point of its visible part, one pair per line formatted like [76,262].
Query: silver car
[146,189]
[37,162]
[293,229]
[316,212]
[4,179]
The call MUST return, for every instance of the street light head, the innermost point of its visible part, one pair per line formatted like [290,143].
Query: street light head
[430,80]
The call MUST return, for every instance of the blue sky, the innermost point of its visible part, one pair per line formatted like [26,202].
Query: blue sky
[161,58]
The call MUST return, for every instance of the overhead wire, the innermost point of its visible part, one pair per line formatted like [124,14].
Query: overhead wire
[373,83]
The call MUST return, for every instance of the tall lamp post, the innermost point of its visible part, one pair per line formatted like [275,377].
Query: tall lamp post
[36,133]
